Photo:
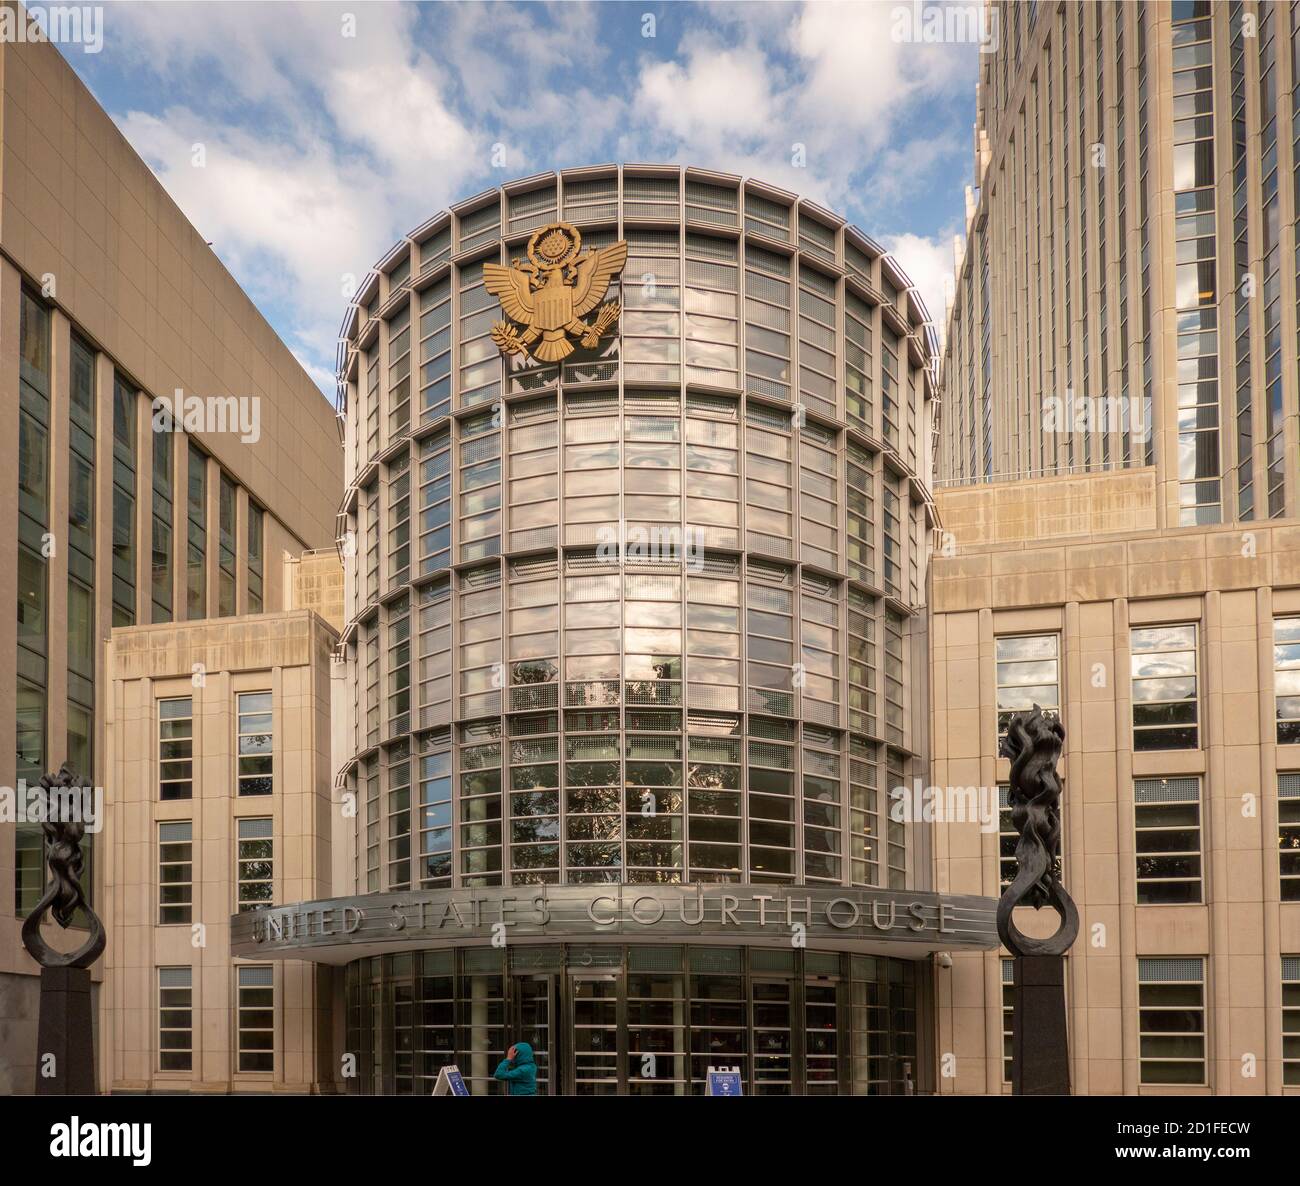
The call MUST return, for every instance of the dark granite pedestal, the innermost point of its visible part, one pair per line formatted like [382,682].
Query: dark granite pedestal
[1039,1051]
[65,1039]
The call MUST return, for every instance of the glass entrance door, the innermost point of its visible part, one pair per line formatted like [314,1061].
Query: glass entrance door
[594,999]
[533,1022]
[772,1015]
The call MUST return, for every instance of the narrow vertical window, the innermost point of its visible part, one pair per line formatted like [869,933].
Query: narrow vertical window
[435,820]
[399,825]
[32,582]
[175,1019]
[161,583]
[1007,838]
[255,558]
[480,803]
[196,599]
[435,351]
[821,804]
[1288,835]
[254,743]
[175,872]
[81,559]
[1008,1015]
[399,370]
[255,864]
[1291,1020]
[176,748]
[256,1018]
[124,462]
[227,582]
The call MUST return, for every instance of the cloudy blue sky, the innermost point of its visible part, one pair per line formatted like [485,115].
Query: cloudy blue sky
[322,149]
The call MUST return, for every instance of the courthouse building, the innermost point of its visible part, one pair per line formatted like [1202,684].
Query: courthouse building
[109,299]
[665,550]
[1118,491]
[635,536]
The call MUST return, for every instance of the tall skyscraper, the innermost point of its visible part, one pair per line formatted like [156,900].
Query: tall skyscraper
[1127,294]
[1118,531]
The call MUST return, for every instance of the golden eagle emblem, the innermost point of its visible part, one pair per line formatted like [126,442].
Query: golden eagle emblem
[548,295]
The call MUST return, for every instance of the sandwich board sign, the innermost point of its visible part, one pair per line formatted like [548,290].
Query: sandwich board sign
[450,1082]
[723,1081]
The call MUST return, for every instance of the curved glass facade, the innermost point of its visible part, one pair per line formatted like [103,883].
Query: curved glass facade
[604,1019]
[649,614]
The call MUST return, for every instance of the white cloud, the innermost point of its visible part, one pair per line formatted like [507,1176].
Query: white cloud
[323,148]
[827,77]
[710,98]
[856,75]
[928,262]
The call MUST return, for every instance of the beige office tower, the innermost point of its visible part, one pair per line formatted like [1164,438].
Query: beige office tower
[1118,501]
[173,542]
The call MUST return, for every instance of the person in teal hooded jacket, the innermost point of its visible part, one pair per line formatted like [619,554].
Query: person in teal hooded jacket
[518,1070]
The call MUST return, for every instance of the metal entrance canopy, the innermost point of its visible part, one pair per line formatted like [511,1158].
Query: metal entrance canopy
[338,930]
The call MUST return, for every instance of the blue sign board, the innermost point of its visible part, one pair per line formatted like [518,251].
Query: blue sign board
[450,1082]
[723,1081]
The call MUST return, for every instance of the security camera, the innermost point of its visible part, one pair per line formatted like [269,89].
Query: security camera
[944,959]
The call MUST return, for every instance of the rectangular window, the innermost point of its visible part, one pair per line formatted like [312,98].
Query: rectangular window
[32,579]
[399,521]
[1028,673]
[29,848]
[435,351]
[1286,679]
[1168,822]
[1288,835]
[254,743]
[399,372]
[255,864]
[196,601]
[1291,1020]
[124,412]
[175,1019]
[81,559]
[821,805]
[176,748]
[175,872]
[161,584]
[1171,1025]
[864,815]
[399,822]
[1008,1014]
[435,820]
[256,1018]
[1007,838]
[226,580]
[480,804]
[371,768]
[1164,687]
[435,503]
[255,558]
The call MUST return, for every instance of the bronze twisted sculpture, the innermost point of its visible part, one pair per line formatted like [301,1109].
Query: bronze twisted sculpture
[1033,743]
[65,1032]
[1039,1043]
[63,896]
